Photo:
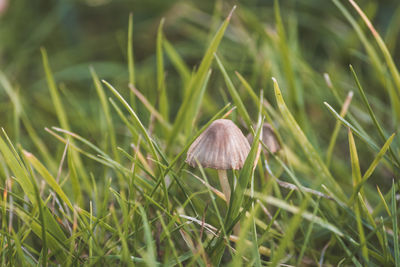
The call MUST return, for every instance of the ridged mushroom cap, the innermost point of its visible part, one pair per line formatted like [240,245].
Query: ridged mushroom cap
[221,146]
[268,137]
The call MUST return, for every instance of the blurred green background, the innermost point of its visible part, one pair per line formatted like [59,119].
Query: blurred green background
[79,34]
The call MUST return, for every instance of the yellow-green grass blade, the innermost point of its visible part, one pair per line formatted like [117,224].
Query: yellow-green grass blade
[372,167]
[140,128]
[41,169]
[356,175]
[60,112]
[24,178]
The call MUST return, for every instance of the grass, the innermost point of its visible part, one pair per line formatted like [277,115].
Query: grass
[94,135]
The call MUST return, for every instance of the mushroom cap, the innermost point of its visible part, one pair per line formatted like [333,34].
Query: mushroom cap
[221,146]
[268,137]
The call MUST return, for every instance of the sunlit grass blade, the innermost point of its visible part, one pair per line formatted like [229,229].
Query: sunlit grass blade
[356,175]
[372,167]
[48,177]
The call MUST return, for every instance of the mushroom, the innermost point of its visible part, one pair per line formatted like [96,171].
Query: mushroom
[268,138]
[222,146]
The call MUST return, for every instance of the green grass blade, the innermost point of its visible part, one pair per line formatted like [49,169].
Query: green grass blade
[131,59]
[106,110]
[312,155]
[150,255]
[295,94]
[381,44]
[372,167]
[335,132]
[178,62]
[60,111]
[363,137]
[291,230]
[47,177]
[138,123]
[308,235]
[237,198]
[372,114]
[163,100]
[374,58]
[356,174]
[198,79]
[40,145]
[395,226]
[234,94]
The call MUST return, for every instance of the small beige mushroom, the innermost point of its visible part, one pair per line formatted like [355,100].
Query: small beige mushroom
[268,138]
[222,146]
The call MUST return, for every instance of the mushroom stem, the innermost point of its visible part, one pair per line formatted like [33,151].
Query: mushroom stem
[226,189]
